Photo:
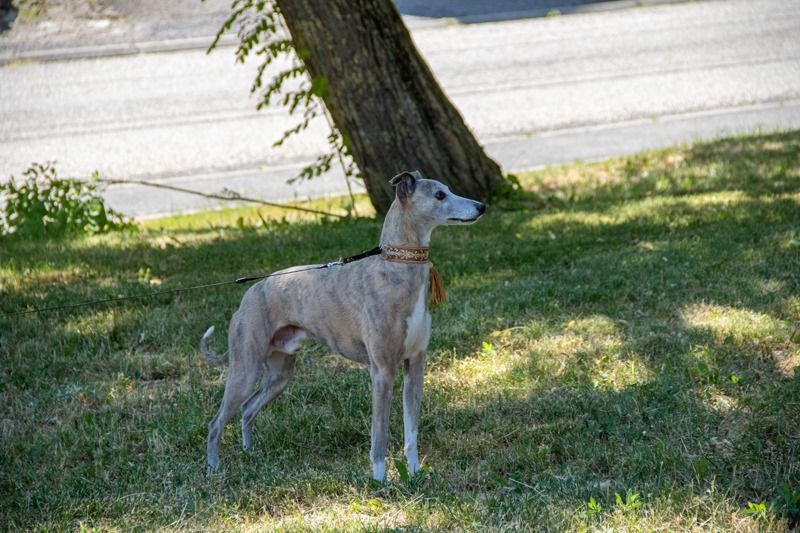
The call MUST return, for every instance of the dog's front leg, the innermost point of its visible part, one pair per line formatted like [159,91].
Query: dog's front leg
[413,370]
[382,381]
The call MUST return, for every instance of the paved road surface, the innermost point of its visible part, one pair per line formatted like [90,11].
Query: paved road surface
[534,90]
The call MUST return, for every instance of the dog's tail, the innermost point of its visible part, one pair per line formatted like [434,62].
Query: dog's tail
[211,358]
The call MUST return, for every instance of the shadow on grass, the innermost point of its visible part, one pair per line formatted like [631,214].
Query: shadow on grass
[708,404]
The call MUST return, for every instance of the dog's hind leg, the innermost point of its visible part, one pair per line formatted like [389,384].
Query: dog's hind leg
[245,367]
[280,367]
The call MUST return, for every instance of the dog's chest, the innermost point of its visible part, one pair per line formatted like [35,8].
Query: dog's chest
[418,325]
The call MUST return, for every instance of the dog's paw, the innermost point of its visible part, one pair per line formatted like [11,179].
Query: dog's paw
[379,471]
[212,466]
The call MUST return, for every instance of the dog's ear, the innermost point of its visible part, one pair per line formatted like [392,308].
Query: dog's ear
[404,184]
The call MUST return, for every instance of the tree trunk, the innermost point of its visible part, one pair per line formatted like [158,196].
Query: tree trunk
[384,99]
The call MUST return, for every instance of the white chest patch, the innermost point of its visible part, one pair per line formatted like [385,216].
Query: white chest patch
[419,324]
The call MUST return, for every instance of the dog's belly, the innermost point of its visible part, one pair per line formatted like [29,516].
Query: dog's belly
[350,348]
[355,353]
[353,350]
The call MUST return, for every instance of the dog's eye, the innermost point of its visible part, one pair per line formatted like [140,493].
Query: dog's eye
[440,195]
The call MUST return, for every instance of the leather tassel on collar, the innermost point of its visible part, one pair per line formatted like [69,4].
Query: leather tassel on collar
[438,294]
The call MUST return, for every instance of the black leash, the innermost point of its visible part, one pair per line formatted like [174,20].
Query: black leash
[239,281]
[339,262]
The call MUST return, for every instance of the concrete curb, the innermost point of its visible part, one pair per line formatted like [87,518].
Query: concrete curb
[117,49]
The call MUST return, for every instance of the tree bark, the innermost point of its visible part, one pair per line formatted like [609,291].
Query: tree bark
[384,99]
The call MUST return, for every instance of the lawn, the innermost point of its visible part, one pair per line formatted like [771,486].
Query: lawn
[620,349]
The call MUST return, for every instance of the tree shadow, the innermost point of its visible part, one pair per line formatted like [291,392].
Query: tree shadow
[714,420]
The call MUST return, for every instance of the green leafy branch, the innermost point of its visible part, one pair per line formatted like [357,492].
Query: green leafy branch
[261,32]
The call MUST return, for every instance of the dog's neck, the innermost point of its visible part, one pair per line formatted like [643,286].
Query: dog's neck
[400,229]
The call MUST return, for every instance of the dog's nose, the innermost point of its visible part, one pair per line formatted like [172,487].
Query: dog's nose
[481,208]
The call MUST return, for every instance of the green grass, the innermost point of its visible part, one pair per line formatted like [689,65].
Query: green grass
[627,327]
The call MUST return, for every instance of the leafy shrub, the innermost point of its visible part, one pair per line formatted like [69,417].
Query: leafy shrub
[43,205]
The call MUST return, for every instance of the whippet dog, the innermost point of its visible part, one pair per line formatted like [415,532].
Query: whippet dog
[373,311]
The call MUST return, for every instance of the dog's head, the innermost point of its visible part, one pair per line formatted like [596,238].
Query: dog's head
[430,201]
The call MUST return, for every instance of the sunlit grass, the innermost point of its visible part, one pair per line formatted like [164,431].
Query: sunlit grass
[736,325]
[628,327]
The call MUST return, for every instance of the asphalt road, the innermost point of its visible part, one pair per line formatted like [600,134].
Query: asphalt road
[535,91]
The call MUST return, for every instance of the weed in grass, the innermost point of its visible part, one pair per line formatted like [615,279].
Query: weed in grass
[619,351]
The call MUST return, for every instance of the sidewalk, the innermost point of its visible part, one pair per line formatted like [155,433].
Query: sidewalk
[74,29]
[78,29]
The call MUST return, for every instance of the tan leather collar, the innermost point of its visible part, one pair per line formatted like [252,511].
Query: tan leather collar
[406,254]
